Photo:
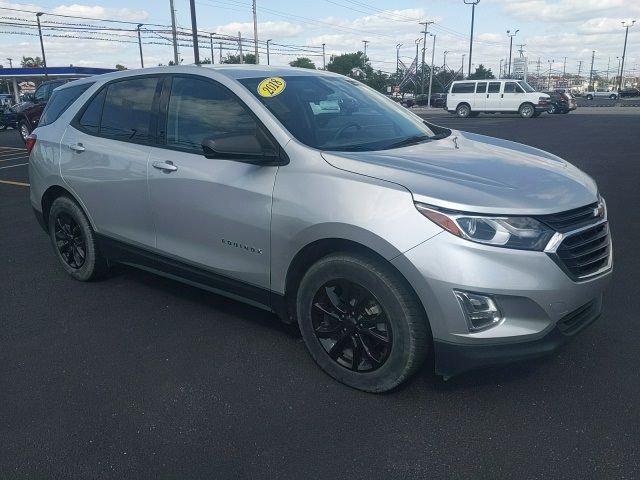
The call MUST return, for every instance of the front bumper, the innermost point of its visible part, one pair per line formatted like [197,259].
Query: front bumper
[534,294]
[541,107]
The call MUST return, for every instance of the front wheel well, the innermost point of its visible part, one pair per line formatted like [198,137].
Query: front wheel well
[313,252]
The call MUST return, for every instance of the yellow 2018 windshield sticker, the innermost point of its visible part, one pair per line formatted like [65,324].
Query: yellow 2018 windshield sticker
[272,86]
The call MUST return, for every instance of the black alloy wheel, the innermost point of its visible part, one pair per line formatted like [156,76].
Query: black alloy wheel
[70,241]
[351,326]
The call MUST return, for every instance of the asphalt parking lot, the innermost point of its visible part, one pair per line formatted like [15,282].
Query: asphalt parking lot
[136,376]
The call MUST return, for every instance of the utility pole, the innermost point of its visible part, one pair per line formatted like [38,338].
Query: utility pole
[44,60]
[433,51]
[593,56]
[364,58]
[511,35]
[618,70]
[608,66]
[194,32]
[538,72]
[240,46]
[268,59]
[255,32]
[473,4]
[464,55]
[564,68]
[500,70]
[10,62]
[140,46]
[444,61]
[220,52]
[521,49]
[174,33]
[418,40]
[211,39]
[426,24]
[398,59]
[324,62]
[550,63]
[624,50]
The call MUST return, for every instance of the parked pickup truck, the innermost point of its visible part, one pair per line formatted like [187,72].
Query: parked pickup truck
[601,94]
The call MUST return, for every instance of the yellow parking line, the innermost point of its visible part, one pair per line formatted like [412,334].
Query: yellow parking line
[18,184]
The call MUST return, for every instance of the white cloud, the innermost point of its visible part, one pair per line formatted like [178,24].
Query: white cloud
[275,29]
[96,11]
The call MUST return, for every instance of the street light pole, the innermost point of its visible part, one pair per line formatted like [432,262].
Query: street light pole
[624,50]
[10,62]
[433,51]
[268,59]
[473,4]
[364,58]
[418,40]
[324,63]
[593,57]
[550,63]
[500,70]
[211,40]
[140,45]
[174,34]
[464,55]
[398,58]
[426,24]
[44,60]
[510,35]
[194,32]
[255,32]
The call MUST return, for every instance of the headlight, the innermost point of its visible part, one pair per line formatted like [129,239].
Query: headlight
[524,233]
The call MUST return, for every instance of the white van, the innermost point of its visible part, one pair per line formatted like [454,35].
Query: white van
[467,98]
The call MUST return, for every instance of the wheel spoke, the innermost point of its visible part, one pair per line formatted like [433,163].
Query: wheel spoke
[357,350]
[324,309]
[338,348]
[328,331]
[367,351]
[372,333]
[333,298]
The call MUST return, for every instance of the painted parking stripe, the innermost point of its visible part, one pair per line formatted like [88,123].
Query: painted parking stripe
[17,184]
[11,166]
[7,154]
[13,158]
[12,148]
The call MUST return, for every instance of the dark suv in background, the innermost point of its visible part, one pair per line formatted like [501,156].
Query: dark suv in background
[561,101]
[28,118]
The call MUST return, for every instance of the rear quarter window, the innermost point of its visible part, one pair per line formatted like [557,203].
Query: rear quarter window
[467,87]
[59,102]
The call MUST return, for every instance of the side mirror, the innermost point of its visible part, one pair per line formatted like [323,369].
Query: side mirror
[242,148]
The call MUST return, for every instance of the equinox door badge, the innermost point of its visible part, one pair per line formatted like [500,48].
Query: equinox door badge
[242,246]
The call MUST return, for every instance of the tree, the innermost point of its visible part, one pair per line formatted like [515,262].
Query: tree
[348,61]
[31,62]
[303,62]
[120,67]
[247,58]
[481,73]
[206,61]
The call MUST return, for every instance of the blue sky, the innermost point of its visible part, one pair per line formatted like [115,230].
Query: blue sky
[551,30]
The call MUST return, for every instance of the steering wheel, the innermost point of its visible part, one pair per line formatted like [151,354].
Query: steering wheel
[346,127]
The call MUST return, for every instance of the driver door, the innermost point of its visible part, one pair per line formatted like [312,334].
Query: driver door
[214,214]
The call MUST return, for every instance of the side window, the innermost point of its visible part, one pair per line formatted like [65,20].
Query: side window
[90,119]
[510,87]
[60,101]
[466,87]
[481,87]
[200,109]
[42,93]
[126,114]
[494,87]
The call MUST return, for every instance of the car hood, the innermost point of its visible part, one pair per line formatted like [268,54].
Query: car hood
[476,173]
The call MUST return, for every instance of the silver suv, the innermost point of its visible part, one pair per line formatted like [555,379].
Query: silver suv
[310,195]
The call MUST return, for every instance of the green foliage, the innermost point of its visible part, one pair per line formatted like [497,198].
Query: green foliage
[481,73]
[120,67]
[235,59]
[31,62]
[346,62]
[303,62]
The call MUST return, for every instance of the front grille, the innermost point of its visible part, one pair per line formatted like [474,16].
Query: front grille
[586,252]
[578,319]
[570,219]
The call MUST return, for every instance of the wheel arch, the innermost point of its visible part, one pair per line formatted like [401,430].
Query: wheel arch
[314,251]
[50,195]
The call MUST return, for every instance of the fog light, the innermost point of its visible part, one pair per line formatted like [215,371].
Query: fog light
[481,311]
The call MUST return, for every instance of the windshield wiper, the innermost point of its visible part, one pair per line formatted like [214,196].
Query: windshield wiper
[409,141]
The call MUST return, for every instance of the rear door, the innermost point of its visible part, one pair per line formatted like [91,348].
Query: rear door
[461,92]
[493,102]
[104,155]
[214,214]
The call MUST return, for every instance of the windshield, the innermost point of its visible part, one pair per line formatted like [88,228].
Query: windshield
[527,88]
[340,114]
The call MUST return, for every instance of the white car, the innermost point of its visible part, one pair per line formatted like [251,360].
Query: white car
[601,94]
[468,98]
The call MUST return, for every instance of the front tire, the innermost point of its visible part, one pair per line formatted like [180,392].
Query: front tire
[361,322]
[25,129]
[463,110]
[612,97]
[589,97]
[552,109]
[526,110]
[74,242]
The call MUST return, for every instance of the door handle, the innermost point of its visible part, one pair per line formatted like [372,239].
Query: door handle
[167,166]
[77,147]
[487,95]
[502,95]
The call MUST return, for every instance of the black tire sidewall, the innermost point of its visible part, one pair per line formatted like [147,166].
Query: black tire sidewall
[22,122]
[94,264]
[392,300]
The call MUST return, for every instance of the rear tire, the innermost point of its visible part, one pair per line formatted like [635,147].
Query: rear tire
[526,110]
[463,110]
[361,322]
[589,97]
[74,242]
[552,109]
[612,97]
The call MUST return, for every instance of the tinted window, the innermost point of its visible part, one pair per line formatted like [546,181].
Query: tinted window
[90,119]
[510,87]
[467,87]
[126,114]
[42,92]
[200,109]
[60,101]
[494,87]
[481,87]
